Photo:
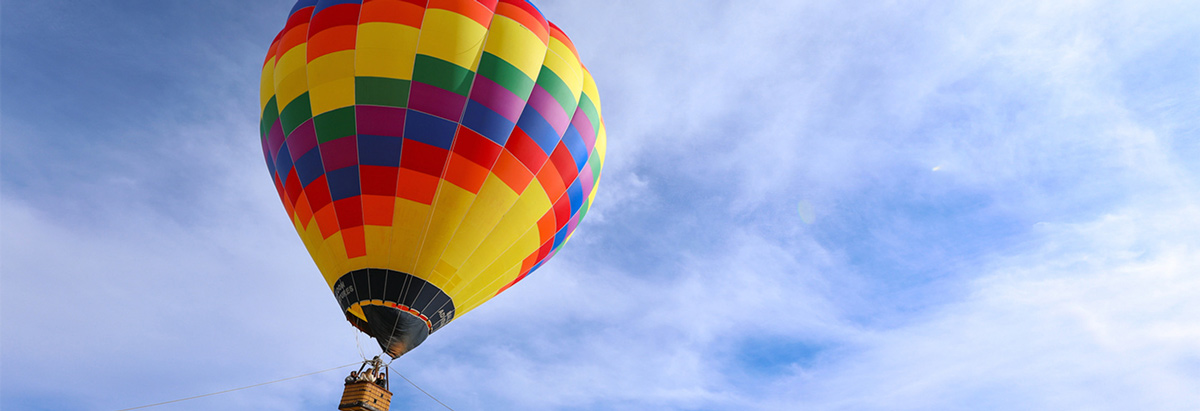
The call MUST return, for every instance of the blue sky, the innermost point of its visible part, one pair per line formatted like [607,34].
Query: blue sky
[1000,211]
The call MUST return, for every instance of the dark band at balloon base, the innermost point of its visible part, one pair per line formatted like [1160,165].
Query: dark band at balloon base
[400,309]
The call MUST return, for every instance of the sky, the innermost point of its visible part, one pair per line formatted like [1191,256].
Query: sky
[806,205]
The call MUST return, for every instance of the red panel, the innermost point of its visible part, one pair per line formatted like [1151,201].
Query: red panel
[349,212]
[526,150]
[472,9]
[465,173]
[524,13]
[345,14]
[355,239]
[415,186]
[477,148]
[327,221]
[378,210]
[512,172]
[562,213]
[418,156]
[378,180]
[293,188]
[331,40]
[545,249]
[408,13]
[564,163]
[318,193]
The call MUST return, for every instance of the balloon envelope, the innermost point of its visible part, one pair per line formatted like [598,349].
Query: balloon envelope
[430,154]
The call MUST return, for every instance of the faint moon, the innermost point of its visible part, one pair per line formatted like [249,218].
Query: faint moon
[806,212]
[938,168]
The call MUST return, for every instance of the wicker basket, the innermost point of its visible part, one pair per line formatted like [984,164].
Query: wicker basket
[365,396]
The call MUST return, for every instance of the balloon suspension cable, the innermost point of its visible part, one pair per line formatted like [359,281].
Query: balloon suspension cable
[391,370]
[241,388]
[358,342]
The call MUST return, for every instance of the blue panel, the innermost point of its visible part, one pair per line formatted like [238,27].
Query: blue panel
[309,167]
[487,122]
[324,4]
[574,142]
[343,183]
[302,4]
[575,194]
[379,150]
[559,237]
[539,130]
[283,161]
[430,130]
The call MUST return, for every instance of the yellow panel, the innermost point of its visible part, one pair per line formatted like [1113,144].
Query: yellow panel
[494,200]
[498,275]
[357,311]
[386,50]
[331,67]
[452,37]
[489,291]
[378,238]
[337,249]
[524,214]
[562,62]
[291,87]
[514,43]
[295,59]
[449,207]
[602,141]
[331,81]
[267,85]
[589,88]
[408,222]
[332,95]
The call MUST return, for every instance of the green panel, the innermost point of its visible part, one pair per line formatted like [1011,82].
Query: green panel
[335,124]
[296,113]
[589,109]
[596,166]
[442,74]
[557,88]
[381,91]
[506,75]
[584,209]
[269,116]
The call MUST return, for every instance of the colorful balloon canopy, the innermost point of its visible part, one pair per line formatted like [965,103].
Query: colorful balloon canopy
[430,154]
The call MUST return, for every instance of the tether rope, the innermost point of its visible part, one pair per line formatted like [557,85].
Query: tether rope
[248,386]
[390,370]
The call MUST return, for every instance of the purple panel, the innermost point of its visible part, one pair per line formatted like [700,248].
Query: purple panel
[548,107]
[302,139]
[275,139]
[572,224]
[587,178]
[497,98]
[340,153]
[435,101]
[584,125]
[380,121]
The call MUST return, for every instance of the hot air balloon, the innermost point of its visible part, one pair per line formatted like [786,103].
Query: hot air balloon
[430,153]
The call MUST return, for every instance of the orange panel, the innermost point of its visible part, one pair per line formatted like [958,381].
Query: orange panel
[378,210]
[355,239]
[327,221]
